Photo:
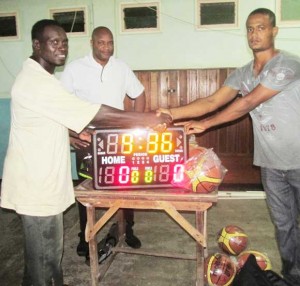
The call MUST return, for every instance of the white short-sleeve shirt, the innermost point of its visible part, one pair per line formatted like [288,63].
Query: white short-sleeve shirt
[108,85]
[37,171]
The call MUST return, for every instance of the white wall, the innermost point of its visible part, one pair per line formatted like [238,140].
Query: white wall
[177,46]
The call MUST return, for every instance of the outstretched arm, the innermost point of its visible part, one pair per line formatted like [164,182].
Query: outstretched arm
[234,111]
[111,117]
[202,106]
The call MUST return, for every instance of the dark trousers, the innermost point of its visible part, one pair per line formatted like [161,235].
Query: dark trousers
[128,213]
[128,216]
[282,189]
[43,250]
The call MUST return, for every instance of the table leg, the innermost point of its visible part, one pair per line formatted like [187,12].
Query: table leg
[201,251]
[93,251]
[121,224]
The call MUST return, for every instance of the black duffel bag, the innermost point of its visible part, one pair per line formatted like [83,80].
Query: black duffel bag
[252,275]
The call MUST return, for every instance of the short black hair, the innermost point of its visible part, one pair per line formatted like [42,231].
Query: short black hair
[39,27]
[265,11]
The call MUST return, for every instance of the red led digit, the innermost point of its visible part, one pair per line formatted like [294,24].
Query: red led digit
[100,175]
[164,173]
[124,174]
[109,175]
[166,142]
[127,143]
[155,173]
[178,173]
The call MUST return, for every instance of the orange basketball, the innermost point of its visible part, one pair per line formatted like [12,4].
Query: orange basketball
[195,150]
[203,171]
[208,181]
[232,239]
[219,270]
[262,259]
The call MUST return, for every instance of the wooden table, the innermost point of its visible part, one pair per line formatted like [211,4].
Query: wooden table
[169,200]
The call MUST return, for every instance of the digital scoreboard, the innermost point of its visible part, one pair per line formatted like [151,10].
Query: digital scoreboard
[138,158]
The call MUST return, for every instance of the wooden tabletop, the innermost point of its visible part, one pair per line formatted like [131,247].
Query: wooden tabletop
[86,190]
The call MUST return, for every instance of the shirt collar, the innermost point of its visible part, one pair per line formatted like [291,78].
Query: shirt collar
[95,63]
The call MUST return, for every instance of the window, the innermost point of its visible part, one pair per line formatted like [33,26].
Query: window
[216,14]
[73,20]
[9,26]
[140,17]
[288,13]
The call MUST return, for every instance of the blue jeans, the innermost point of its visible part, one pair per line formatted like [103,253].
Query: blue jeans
[43,250]
[283,198]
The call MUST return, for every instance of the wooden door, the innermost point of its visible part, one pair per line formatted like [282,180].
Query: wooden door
[232,142]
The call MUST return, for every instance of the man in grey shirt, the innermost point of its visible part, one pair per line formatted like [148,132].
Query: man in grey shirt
[270,88]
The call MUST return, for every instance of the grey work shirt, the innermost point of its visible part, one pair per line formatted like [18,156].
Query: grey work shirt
[276,122]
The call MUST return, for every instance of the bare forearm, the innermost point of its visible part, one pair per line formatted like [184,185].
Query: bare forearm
[205,105]
[73,134]
[191,110]
[111,117]
[236,110]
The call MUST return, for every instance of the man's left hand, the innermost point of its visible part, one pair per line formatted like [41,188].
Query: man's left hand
[192,126]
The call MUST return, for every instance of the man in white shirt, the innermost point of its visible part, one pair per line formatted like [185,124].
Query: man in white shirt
[101,78]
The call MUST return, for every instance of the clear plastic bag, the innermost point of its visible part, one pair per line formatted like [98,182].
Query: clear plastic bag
[203,171]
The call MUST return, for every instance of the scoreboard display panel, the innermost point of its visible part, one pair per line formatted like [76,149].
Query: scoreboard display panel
[138,158]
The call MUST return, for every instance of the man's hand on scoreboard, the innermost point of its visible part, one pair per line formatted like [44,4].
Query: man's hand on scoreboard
[78,143]
[86,135]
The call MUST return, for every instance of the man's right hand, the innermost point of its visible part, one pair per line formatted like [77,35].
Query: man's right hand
[158,122]
[162,111]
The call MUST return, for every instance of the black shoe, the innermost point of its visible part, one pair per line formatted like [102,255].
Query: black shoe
[104,252]
[106,244]
[133,241]
[82,247]
[130,238]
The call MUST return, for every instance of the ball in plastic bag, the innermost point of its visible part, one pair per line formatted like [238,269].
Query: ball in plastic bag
[262,259]
[208,181]
[232,239]
[219,269]
[204,171]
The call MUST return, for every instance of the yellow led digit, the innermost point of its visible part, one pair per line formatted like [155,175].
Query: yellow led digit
[127,143]
[148,176]
[152,143]
[166,142]
[135,175]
